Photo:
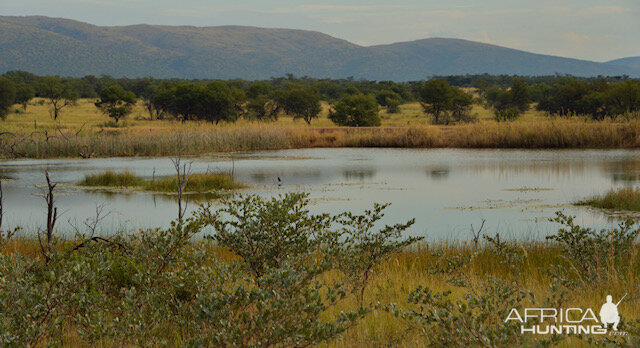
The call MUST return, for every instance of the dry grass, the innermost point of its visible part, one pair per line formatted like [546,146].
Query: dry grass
[81,132]
[405,271]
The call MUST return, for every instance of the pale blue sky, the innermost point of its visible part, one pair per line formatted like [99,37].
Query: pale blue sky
[588,29]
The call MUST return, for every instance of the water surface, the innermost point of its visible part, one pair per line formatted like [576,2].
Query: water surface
[446,190]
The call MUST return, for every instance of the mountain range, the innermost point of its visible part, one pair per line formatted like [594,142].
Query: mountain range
[56,46]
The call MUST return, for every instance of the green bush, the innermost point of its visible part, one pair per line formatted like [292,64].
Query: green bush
[163,287]
[356,110]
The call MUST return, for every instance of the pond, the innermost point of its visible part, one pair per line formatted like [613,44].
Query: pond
[446,190]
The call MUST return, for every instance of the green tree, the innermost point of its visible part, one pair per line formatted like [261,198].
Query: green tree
[300,102]
[186,101]
[460,107]
[60,94]
[435,97]
[520,94]
[356,111]
[7,96]
[445,102]
[624,98]
[24,93]
[159,102]
[389,99]
[263,108]
[115,102]
[509,105]
[220,103]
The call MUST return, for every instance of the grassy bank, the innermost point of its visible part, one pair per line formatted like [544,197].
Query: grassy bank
[275,274]
[627,198]
[81,132]
[197,183]
[396,278]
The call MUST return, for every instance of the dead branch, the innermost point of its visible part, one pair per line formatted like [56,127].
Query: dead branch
[183,171]
[477,235]
[52,211]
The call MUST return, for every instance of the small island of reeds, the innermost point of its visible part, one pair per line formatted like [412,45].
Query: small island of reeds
[196,183]
[627,198]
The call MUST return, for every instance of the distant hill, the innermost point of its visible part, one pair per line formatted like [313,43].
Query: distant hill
[58,46]
[630,62]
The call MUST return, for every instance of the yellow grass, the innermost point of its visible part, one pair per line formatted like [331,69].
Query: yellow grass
[406,270]
[81,131]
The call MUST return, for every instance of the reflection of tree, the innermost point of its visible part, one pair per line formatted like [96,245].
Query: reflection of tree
[111,196]
[259,177]
[358,174]
[627,171]
[438,173]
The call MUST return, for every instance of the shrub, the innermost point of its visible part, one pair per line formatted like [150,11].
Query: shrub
[163,287]
[596,256]
[357,110]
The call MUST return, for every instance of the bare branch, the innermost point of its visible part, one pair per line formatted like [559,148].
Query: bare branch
[477,235]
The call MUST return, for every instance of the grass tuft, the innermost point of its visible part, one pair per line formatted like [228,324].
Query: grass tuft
[627,198]
[112,179]
[199,183]
[196,183]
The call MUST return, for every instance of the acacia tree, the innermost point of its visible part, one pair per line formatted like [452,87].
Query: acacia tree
[59,93]
[509,105]
[300,103]
[115,102]
[356,111]
[445,102]
[261,104]
[24,93]
[159,102]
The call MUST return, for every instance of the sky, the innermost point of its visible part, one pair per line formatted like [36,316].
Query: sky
[597,30]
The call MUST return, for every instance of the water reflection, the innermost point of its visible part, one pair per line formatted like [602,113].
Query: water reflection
[438,173]
[445,190]
[358,174]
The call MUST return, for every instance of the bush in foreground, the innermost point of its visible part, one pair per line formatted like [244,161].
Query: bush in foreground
[162,287]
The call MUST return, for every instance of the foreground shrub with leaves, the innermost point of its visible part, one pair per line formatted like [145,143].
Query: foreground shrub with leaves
[472,309]
[165,287]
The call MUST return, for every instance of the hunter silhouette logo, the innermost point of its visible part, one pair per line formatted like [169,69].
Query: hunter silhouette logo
[549,321]
[609,313]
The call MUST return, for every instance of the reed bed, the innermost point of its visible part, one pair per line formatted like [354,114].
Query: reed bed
[198,183]
[557,134]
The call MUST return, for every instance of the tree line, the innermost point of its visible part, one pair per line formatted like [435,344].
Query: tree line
[352,102]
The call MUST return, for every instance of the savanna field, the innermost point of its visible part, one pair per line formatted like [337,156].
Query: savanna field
[83,131]
[274,274]
[351,173]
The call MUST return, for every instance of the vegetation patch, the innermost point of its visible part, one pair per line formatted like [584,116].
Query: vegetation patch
[110,178]
[196,183]
[627,198]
